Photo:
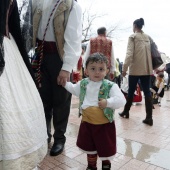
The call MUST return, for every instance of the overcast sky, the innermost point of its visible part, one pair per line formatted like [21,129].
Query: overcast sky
[156,14]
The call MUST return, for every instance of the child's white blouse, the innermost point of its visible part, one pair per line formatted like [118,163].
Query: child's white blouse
[115,101]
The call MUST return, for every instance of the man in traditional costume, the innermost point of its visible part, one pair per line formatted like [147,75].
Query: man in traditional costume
[57,25]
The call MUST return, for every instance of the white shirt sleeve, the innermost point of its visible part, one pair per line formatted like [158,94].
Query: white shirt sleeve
[73,88]
[86,55]
[116,99]
[73,37]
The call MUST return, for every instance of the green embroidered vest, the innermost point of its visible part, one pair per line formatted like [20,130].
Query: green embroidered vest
[103,93]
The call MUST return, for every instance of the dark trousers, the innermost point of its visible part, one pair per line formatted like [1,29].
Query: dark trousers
[145,82]
[56,99]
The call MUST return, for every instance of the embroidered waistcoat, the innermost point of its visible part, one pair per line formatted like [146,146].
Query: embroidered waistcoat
[103,93]
[102,45]
[60,21]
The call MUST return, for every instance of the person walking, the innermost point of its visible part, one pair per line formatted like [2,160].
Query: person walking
[102,45]
[23,133]
[57,26]
[99,98]
[138,60]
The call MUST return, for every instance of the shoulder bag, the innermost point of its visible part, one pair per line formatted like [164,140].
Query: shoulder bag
[156,56]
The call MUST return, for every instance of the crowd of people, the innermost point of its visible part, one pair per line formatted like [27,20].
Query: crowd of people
[30,100]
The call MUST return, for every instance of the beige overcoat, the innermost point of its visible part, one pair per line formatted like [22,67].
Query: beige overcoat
[138,55]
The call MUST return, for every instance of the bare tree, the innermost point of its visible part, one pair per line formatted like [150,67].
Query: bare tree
[88,21]
[91,17]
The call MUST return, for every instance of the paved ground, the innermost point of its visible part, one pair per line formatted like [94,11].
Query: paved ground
[139,147]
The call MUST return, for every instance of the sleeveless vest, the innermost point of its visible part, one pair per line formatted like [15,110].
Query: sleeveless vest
[60,21]
[103,93]
[102,45]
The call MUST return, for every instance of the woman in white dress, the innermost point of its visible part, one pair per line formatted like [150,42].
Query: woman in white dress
[23,134]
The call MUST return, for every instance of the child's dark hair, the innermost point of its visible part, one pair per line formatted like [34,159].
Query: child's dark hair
[161,75]
[97,57]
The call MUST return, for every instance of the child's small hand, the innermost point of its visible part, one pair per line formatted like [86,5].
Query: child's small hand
[102,103]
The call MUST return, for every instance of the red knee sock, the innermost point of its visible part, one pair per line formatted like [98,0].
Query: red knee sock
[92,161]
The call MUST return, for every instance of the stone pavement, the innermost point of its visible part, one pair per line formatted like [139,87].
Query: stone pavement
[139,146]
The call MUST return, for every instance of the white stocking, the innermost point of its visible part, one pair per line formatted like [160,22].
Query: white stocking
[159,99]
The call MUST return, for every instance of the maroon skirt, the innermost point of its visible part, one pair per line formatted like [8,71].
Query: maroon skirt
[97,138]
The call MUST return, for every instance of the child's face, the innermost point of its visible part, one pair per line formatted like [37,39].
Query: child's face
[96,71]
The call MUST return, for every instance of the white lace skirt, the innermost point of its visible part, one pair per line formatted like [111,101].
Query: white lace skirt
[23,134]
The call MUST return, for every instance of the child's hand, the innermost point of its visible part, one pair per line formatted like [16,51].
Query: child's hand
[102,103]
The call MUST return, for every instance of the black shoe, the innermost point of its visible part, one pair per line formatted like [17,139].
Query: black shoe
[106,167]
[56,149]
[148,121]
[124,114]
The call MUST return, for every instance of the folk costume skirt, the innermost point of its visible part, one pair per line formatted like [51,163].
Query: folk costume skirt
[23,134]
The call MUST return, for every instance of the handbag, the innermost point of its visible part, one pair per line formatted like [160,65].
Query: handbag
[156,56]
[138,96]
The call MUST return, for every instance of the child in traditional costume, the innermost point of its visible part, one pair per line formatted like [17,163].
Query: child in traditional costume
[98,100]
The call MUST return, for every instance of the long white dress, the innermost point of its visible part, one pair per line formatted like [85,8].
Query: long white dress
[23,134]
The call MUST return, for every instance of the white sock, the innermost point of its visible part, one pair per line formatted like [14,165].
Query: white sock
[159,99]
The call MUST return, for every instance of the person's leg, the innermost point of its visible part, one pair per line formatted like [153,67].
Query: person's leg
[61,100]
[159,101]
[106,153]
[92,161]
[85,142]
[61,110]
[145,82]
[161,95]
[46,96]
[132,86]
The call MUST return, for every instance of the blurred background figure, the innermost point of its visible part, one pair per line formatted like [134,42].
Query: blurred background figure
[158,88]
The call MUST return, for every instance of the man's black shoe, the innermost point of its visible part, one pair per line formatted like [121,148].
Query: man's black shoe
[56,149]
